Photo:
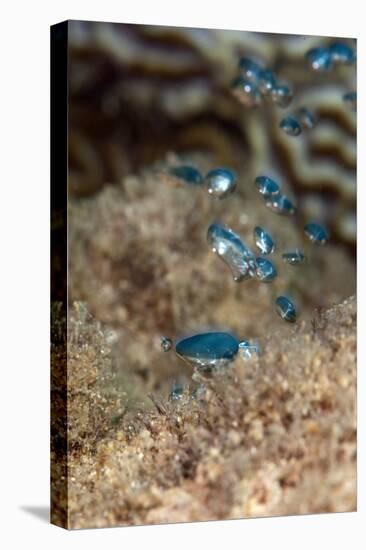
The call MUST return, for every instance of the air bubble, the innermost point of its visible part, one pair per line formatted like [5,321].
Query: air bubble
[166,343]
[246,92]
[247,350]
[266,186]
[291,126]
[341,53]
[281,95]
[186,174]
[231,249]
[265,270]
[266,81]
[281,205]
[263,240]
[208,352]
[319,59]
[316,233]
[285,309]
[220,182]
[250,70]
[176,393]
[296,257]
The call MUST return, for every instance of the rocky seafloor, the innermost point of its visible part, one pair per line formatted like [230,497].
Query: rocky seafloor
[274,435]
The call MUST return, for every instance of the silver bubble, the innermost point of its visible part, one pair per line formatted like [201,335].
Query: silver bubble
[231,250]
[296,257]
[247,350]
[281,96]
[220,182]
[263,240]
[280,204]
[265,270]
[166,343]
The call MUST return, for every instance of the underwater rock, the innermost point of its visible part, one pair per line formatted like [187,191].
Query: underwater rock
[245,420]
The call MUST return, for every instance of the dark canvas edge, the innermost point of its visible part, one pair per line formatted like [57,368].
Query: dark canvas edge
[59,172]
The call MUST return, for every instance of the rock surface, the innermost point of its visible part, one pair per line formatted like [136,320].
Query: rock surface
[276,436]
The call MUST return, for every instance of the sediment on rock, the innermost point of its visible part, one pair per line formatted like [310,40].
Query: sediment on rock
[276,436]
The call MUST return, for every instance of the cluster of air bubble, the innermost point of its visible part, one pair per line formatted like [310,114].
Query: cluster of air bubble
[256,83]
[210,352]
[219,182]
[237,255]
[325,59]
[295,123]
[242,261]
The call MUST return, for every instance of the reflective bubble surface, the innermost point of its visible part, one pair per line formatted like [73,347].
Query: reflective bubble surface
[177,392]
[266,81]
[263,240]
[285,309]
[340,52]
[319,59]
[316,233]
[265,270]
[187,174]
[295,257]
[291,126]
[166,343]
[231,249]
[247,350]
[250,70]
[281,95]
[208,351]
[266,186]
[246,92]
[280,204]
[220,182]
